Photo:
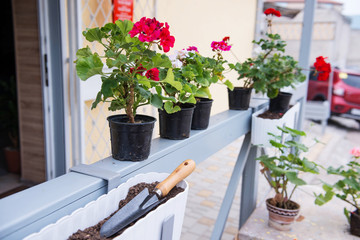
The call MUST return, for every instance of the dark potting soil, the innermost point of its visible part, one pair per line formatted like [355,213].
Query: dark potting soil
[290,205]
[272,115]
[93,232]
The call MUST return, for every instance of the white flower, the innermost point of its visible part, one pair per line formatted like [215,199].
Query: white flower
[257,51]
[177,63]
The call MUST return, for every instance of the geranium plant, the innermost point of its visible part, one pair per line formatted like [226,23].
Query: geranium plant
[132,67]
[270,70]
[218,69]
[285,166]
[322,68]
[347,188]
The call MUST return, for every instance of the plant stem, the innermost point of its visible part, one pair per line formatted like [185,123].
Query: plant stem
[292,192]
[130,103]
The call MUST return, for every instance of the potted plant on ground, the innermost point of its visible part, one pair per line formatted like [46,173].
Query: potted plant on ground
[280,170]
[132,71]
[347,188]
[10,123]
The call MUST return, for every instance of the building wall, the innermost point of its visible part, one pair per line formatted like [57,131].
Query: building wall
[330,38]
[353,58]
[198,23]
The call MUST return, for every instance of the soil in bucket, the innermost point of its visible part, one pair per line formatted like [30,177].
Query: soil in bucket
[201,114]
[93,232]
[280,104]
[176,126]
[239,98]
[131,141]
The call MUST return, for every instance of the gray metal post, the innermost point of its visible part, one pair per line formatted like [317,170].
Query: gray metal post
[249,186]
[231,190]
[305,47]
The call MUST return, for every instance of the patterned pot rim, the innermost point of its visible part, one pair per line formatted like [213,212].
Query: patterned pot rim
[282,211]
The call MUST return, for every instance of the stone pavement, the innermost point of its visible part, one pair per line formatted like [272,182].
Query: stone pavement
[209,182]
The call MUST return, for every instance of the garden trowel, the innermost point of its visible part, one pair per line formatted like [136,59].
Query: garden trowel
[146,201]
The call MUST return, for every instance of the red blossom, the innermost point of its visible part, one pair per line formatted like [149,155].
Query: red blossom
[192,48]
[151,30]
[220,46]
[323,68]
[272,11]
[140,69]
[153,74]
[226,39]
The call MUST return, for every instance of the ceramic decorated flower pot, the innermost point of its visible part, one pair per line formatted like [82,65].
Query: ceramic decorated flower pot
[239,98]
[176,126]
[131,141]
[280,218]
[280,104]
[201,114]
[355,223]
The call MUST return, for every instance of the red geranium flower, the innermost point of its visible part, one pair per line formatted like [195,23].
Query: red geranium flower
[153,74]
[140,69]
[226,39]
[272,11]
[151,30]
[323,68]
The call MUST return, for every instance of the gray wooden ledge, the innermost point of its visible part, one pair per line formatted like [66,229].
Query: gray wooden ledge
[29,211]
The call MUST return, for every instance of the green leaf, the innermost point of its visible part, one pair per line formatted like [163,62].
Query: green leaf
[292,176]
[97,100]
[161,61]
[203,92]
[107,87]
[171,80]
[171,108]
[83,52]
[125,26]
[229,85]
[89,66]
[156,101]
[143,80]
[347,214]
[94,34]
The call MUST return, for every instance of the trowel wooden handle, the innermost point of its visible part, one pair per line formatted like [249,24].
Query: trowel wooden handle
[181,172]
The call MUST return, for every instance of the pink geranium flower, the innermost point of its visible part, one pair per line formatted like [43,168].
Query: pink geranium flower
[355,152]
[192,48]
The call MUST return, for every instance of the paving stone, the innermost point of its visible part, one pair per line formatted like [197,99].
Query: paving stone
[204,193]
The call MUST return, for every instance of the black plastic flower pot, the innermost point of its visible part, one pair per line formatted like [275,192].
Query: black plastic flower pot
[239,98]
[176,126]
[280,104]
[355,223]
[201,116]
[131,141]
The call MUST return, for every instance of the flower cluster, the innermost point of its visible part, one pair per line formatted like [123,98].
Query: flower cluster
[272,11]
[152,74]
[151,30]
[222,45]
[192,48]
[355,152]
[323,68]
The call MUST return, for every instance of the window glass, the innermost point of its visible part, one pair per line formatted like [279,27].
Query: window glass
[351,80]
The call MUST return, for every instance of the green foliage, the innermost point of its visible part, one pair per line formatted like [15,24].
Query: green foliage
[271,70]
[123,85]
[346,189]
[285,166]
[190,77]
